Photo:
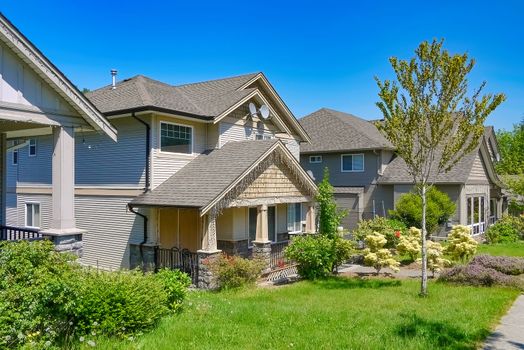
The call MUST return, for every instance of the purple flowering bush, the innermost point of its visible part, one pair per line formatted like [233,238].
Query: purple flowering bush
[485,270]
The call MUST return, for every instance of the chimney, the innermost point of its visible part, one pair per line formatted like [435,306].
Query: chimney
[113,75]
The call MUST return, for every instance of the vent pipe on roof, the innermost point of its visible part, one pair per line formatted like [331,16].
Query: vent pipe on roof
[113,75]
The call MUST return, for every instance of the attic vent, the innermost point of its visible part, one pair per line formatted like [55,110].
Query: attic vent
[113,76]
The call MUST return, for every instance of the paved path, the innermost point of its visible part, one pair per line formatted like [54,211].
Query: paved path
[509,334]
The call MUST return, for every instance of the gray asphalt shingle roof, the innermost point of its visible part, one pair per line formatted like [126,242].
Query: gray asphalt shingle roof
[206,99]
[207,176]
[332,131]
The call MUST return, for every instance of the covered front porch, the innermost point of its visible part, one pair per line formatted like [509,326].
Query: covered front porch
[250,212]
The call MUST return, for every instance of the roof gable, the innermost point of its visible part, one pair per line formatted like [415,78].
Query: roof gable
[333,131]
[46,70]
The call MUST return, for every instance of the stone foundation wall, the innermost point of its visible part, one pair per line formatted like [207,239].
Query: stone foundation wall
[206,279]
[262,251]
[142,256]
[234,247]
[67,243]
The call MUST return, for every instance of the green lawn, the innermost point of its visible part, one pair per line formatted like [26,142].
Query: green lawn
[505,249]
[338,313]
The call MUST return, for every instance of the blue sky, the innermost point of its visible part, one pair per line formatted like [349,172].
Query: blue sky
[316,54]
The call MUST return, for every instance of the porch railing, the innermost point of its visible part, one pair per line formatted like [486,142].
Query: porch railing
[478,228]
[492,220]
[11,233]
[277,258]
[181,259]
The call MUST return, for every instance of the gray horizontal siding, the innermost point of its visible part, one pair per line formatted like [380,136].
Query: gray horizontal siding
[101,161]
[12,170]
[16,209]
[11,210]
[234,132]
[110,228]
[35,170]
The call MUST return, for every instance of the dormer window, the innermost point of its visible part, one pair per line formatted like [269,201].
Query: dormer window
[176,138]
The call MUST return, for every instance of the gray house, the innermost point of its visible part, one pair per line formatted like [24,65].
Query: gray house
[369,178]
[197,168]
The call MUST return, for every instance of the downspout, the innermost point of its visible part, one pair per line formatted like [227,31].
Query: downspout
[147,185]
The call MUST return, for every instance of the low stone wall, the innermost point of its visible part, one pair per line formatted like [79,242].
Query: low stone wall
[142,256]
[206,278]
[67,243]
[262,251]
[234,247]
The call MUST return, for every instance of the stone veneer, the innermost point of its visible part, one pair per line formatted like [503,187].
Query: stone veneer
[206,278]
[262,251]
[67,243]
[142,256]
[234,247]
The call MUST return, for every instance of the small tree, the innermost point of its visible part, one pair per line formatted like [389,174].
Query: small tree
[409,243]
[329,215]
[376,255]
[436,262]
[430,119]
[408,209]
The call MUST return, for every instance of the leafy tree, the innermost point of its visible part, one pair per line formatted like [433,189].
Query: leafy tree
[439,209]
[431,119]
[329,215]
[515,184]
[511,146]
[376,255]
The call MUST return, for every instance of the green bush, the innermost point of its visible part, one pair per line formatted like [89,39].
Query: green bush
[506,230]
[47,299]
[392,229]
[116,303]
[461,246]
[317,256]
[438,210]
[235,271]
[175,283]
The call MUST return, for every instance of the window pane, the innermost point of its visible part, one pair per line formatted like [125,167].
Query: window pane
[476,210]
[29,215]
[175,138]
[252,224]
[347,163]
[298,217]
[291,217]
[482,210]
[358,162]
[470,200]
[36,215]
[271,223]
[15,157]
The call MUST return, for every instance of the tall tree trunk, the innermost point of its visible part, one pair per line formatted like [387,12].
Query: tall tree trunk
[424,279]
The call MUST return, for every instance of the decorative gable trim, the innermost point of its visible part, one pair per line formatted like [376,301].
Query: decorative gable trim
[15,40]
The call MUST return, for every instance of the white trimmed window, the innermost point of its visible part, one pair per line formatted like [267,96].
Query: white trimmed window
[32,214]
[294,217]
[176,138]
[262,136]
[352,163]
[32,147]
[15,157]
[315,159]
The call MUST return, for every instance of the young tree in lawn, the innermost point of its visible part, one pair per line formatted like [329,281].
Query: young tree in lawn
[431,119]
[329,216]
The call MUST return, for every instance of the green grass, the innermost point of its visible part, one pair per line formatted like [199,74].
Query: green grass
[338,313]
[502,249]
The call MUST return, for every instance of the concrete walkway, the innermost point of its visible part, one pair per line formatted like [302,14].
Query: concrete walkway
[509,334]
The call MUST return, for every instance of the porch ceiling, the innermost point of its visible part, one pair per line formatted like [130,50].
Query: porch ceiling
[9,125]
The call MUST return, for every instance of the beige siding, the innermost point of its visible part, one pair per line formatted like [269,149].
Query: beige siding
[19,84]
[165,164]
[478,172]
[273,182]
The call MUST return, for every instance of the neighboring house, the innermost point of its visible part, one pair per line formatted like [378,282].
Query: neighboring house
[193,169]
[369,178]
[37,99]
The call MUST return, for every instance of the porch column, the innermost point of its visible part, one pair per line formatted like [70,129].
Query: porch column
[209,252]
[262,244]
[310,218]
[63,229]
[3,172]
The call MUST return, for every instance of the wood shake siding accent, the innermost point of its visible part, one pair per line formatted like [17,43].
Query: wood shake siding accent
[99,161]
[111,227]
[478,172]
[273,182]
[165,164]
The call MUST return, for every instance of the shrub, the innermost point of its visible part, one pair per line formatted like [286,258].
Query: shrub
[117,303]
[504,264]
[175,283]
[392,229]
[235,271]
[409,243]
[435,261]
[376,255]
[461,245]
[506,230]
[318,256]
[439,209]
[478,275]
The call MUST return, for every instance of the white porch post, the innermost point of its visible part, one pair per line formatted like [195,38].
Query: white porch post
[310,218]
[63,230]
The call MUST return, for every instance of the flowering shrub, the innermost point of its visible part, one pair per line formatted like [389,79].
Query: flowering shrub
[461,245]
[390,228]
[376,255]
[508,229]
[318,256]
[409,243]
[477,275]
[235,271]
[435,253]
